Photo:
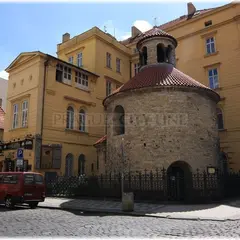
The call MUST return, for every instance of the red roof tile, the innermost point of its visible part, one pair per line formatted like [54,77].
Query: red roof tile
[167,25]
[2,115]
[162,74]
[155,32]
[101,140]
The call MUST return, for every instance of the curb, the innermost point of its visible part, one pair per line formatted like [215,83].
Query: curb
[135,214]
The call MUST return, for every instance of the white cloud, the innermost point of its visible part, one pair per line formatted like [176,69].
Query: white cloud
[120,35]
[4,74]
[142,25]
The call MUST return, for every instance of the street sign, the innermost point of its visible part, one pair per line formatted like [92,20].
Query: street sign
[19,162]
[20,153]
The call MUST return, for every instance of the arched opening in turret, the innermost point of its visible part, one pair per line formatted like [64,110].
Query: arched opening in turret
[160,53]
[144,55]
[169,53]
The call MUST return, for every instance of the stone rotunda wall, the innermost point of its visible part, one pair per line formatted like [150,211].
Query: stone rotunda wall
[165,126]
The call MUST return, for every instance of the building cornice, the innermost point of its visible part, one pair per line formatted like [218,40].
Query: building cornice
[92,104]
[204,30]
[211,12]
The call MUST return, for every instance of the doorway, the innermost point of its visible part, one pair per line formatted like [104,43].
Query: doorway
[178,173]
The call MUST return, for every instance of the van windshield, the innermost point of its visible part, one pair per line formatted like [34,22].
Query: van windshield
[33,179]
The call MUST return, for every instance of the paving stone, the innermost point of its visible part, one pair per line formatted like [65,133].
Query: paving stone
[49,222]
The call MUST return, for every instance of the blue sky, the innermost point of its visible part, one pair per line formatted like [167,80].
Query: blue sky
[29,27]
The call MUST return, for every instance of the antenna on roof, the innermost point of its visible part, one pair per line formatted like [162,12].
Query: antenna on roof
[155,22]
[105,29]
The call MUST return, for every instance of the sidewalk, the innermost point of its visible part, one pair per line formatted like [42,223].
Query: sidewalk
[214,212]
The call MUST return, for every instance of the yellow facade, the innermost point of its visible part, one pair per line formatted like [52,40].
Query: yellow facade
[91,50]
[192,59]
[47,113]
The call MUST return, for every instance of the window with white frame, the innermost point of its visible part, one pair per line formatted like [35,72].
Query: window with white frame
[108,63]
[210,45]
[118,65]
[136,68]
[63,74]
[108,88]
[15,116]
[81,80]
[82,120]
[24,113]
[213,78]
[70,59]
[80,59]
[70,117]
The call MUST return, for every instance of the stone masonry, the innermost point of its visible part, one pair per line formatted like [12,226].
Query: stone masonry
[163,125]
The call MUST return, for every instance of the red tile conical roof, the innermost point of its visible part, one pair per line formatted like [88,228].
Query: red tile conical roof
[161,75]
[156,32]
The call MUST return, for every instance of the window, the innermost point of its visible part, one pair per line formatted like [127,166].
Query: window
[213,78]
[29,179]
[161,56]
[136,68]
[81,80]
[118,120]
[80,59]
[70,59]
[81,165]
[69,165]
[108,60]
[24,113]
[82,118]
[97,162]
[144,56]
[118,65]
[70,118]
[208,23]
[63,74]
[15,116]
[210,45]
[10,179]
[108,88]
[220,119]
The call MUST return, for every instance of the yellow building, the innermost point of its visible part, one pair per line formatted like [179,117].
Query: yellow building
[209,51]
[57,102]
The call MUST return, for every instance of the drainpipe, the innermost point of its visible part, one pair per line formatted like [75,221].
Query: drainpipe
[130,69]
[43,100]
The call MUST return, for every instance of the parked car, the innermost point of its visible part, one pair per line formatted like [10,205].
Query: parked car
[21,187]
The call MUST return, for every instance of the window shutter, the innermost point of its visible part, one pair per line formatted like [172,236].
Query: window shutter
[57,157]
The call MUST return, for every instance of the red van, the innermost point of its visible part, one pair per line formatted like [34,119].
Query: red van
[21,187]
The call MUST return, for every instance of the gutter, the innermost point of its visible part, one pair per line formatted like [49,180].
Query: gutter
[43,98]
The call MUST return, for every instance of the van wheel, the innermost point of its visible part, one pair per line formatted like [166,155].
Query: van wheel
[33,205]
[9,203]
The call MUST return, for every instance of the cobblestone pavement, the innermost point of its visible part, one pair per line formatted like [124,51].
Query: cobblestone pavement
[49,222]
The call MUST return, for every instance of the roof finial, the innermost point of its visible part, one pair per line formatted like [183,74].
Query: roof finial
[155,22]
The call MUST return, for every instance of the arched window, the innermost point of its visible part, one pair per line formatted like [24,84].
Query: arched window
[224,162]
[81,165]
[82,120]
[160,53]
[118,121]
[70,117]
[144,55]
[69,165]
[169,54]
[220,119]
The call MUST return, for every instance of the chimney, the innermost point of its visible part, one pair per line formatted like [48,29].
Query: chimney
[135,31]
[0,102]
[65,37]
[191,9]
